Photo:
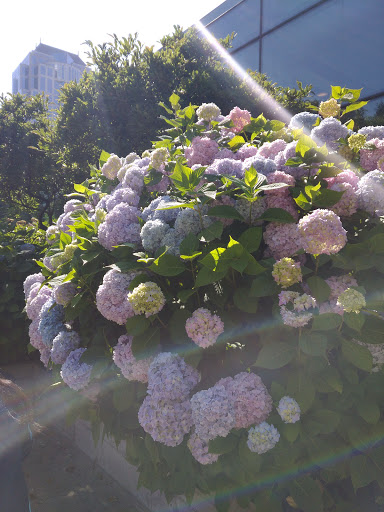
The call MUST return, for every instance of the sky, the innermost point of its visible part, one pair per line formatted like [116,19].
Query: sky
[67,24]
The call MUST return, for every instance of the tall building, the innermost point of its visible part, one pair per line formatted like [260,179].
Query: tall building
[46,69]
[323,43]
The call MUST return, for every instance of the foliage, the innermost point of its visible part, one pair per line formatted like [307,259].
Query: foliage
[331,459]
[20,243]
[117,104]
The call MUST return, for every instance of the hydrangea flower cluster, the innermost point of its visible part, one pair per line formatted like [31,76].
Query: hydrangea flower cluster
[329,131]
[377,353]
[251,211]
[352,301]
[240,119]
[199,450]
[74,373]
[208,112]
[120,195]
[64,293]
[158,157]
[30,281]
[283,240]
[298,314]
[51,322]
[369,158]
[371,192]
[287,272]
[262,438]
[289,410]
[121,225]
[204,328]
[357,141]
[226,167]
[372,132]
[111,167]
[202,151]
[252,402]
[62,346]
[147,298]
[303,120]
[52,234]
[131,368]
[322,232]
[36,299]
[112,296]
[153,233]
[154,210]
[329,108]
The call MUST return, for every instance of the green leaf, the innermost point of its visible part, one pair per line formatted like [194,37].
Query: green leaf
[354,106]
[103,158]
[277,215]
[214,260]
[326,322]
[189,245]
[373,330]
[119,399]
[319,288]
[251,239]
[356,354]
[223,444]
[326,419]
[213,231]
[208,276]
[313,344]
[184,295]
[167,265]
[350,124]
[368,410]
[300,387]
[274,125]
[307,494]
[137,325]
[225,211]
[236,141]
[79,188]
[290,431]
[337,92]
[326,198]
[153,178]
[146,343]
[253,268]
[244,302]
[275,355]
[354,320]
[363,471]
[264,285]
[304,144]
[174,99]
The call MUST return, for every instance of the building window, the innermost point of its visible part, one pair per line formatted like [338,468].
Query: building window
[36,70]
[49,83]
[26,85]
[35,82]
[42,70]
[15,85]
[42,83]
[50,72]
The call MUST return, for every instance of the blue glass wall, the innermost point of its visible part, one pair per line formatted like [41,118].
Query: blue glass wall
[319,42]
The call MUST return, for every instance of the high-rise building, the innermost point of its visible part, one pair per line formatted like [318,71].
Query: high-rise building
[319,42]
[46,69]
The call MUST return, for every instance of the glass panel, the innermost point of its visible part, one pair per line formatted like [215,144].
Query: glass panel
[42,83]
[26,85]
[15,85]
[50,72]
[244,20]
[217,11]
[49,83]
[248,57]
[35,83]
[277,11]
[338,43]
[42,70]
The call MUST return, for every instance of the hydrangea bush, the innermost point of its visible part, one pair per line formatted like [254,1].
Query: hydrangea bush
[223,294]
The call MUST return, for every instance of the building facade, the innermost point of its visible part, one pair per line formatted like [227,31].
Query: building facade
[46,69]
[323,43]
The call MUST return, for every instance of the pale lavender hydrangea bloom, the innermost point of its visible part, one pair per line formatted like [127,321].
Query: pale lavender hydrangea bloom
[322,232]
[153,211]
[202,151]
[63,344]
[132,368]
[64,293]
[121,195]
[283,156]
[31,280]
[347,176]
[152,234]
[171,378]
[348,203]
[64,221]
[371,193]
[36,300]
[227,167]
[339,284]
[45,355]
[51,322]
[328,132]
[252,402]
[303,120]
[71,205]
[165,421]
[172,241]
[112,296]
[52,234]
[204,328]
[74,373]
[199,450]
[283,240]
[262,438]
[213,413]
[158,157]
[130,158]
[262,165]
[226,153]
[251,211]
[120,226]
[289,410]
[372,132]
[271,149]
[35,338]
[299,315]
[134,178]
[246,151]
[111,167]
[281,197]
[369,158]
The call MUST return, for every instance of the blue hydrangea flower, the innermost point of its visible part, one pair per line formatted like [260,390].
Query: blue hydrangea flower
[152,234]
[289,410]
[303,120]
[51,322]
[262,438]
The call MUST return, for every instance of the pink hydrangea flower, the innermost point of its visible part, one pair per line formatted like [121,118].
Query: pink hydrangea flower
[131,368]
[322,232]
[370,157]
[271,149]
[204,328]
[112,296]
[240,119]
[282,239]
[202,151]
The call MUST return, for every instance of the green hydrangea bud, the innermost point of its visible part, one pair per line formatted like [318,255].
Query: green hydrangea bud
[329,108]
[356,141]
[351,301]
